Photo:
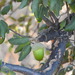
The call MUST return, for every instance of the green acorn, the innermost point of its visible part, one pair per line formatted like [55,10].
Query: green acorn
[39,54]
[38,51]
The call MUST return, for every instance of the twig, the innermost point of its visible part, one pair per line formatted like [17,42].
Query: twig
[52,20]
[18,33]
[68,12]
[35,30]
[54,17]
[47,21]
[20,69]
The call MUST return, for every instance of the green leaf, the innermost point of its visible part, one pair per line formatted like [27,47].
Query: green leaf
[18,0]
[62,24]
[62,72]
[20,47]
[1,40]
[45,2]
[11,73]
[65,58]
[13,18]
[28,26]
[71,25]
[21,19]
[73,54]
[40,12]
[73,72]
[11,48]
[68,44]
[11,5]
[23,4]
[0,62]
[35,5]
[68,1]
[18,41]
[66,53]
[56,6]
[5,10]
[2,33]
[2,3]
[12,26]
[3,28]
[72,6]
[25,51]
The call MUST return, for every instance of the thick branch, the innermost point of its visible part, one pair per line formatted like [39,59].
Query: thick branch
[57,55]
[48,35]
[20,69]
[55,59]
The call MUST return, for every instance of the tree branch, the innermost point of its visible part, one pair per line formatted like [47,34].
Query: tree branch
[57,57]
[47,21]
[20,69]
[53,15]
[48,35]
